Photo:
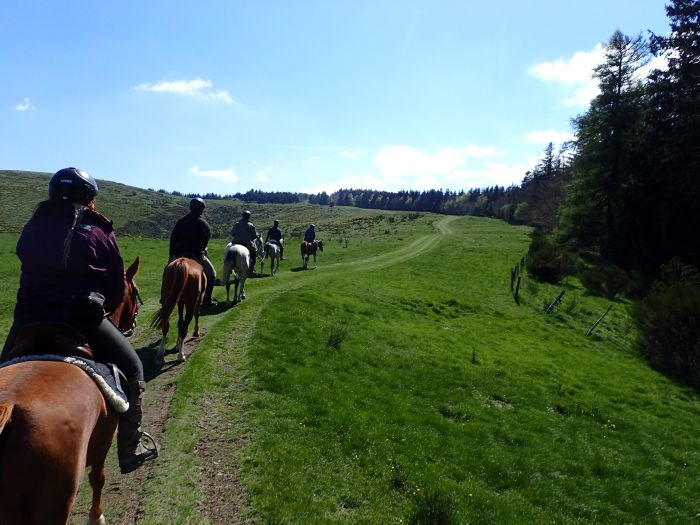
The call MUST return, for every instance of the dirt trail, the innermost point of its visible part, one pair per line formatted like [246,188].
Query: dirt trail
[225,495]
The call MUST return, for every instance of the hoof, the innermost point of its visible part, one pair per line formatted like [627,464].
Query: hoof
[99,521]
[180,357]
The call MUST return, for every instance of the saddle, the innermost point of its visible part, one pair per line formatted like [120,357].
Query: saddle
[52,338]
[46,341]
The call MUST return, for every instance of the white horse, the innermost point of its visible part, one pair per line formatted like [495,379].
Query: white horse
[236,260]
[273,252]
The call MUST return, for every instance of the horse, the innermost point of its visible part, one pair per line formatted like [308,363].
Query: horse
[236,260]
[308,249]
[273,252]
[54,423]
[184,283]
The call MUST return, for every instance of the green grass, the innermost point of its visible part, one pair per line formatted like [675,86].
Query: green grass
[548,425]
[400,385]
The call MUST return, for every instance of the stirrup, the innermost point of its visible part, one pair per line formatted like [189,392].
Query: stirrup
[136,460]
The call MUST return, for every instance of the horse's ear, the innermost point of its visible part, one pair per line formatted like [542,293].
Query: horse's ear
[131,270]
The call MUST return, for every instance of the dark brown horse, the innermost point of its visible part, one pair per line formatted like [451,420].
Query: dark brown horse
[308,249]
[54,423]
[184,283]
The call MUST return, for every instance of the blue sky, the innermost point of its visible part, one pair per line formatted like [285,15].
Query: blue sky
[225,96]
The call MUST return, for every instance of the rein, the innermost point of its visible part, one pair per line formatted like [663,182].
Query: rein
[134,310]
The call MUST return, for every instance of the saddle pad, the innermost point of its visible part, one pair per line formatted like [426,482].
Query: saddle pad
[105,376]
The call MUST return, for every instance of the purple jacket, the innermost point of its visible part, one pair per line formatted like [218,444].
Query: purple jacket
[93,262]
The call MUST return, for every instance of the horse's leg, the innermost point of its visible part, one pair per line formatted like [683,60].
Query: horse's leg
[181,334]
[236,298]
[97,483]
[196,308]
[160,355]
[243,279]
[181,329]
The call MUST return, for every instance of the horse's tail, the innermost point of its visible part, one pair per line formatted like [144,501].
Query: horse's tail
[5,414]
[174,290]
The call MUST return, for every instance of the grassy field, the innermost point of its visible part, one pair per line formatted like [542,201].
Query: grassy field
[399,382]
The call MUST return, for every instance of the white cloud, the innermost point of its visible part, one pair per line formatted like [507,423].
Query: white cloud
[23,106]
[262,174]
[401,167]
[576,72]
[353,154]
[227,175]
[546,136]
[400,161]
[347,181]
[660,62]
[198,88]
[490,174]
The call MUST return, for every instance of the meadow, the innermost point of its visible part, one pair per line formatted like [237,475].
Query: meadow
[400,382]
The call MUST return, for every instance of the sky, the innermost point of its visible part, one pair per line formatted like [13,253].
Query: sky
[223,96]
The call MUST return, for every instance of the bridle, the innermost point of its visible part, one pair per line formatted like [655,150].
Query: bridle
[127,323]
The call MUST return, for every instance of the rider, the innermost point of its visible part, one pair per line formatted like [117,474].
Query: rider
[69,255]
[189,239]
[310,234]
[274,235]
[243,233]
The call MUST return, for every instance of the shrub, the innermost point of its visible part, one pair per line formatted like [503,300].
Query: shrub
[548,261]
[432,507]
[607,280]
[336,336]
[668,322]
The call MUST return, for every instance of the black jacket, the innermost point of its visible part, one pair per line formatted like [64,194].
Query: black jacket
[189,237]
[274,233]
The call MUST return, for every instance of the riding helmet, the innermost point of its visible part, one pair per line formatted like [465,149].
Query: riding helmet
[197,204]
[246,214]
[73,184]
[276,222]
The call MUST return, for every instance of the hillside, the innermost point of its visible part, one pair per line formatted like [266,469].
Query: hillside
[398,380]
[140,212]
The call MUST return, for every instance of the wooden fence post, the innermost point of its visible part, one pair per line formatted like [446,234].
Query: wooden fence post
[590,331]
[555,302]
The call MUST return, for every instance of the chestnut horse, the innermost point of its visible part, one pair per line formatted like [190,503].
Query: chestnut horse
[308,249]
[184,283]
[54,423]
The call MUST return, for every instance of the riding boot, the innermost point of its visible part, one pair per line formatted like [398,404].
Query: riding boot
[251,265]
[207,300]
[131,449]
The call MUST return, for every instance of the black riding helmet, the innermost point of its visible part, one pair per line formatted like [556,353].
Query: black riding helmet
[197,204]
[73,184]
[246,214]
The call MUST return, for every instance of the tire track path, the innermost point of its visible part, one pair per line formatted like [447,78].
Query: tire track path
[217,460]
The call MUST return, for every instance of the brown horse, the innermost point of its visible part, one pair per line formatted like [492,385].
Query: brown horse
[184,283]
[308,249]
[54,423]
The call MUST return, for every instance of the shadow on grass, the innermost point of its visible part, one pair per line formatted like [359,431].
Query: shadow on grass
[301,268]
[147,355]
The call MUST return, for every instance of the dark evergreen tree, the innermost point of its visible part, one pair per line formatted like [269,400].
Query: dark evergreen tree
[672,182]
[607,153]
